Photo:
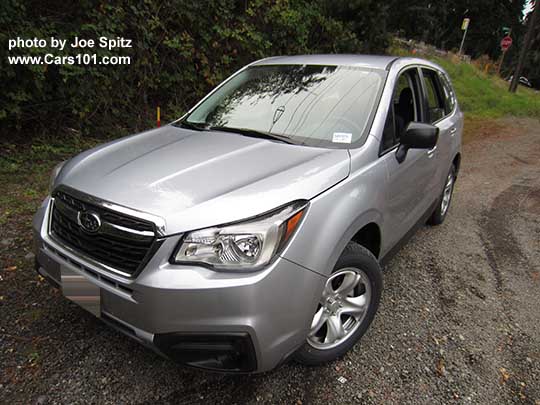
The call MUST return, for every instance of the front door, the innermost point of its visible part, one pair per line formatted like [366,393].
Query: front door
[408,194]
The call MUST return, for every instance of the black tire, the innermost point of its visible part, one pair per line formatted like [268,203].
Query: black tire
[440,214]
[355,256]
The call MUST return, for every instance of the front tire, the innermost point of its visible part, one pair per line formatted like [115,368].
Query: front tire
[347,307]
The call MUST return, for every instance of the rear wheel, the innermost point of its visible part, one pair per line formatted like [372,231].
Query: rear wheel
[347,306]
[440,212]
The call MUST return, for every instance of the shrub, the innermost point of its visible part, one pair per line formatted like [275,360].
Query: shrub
[181,49]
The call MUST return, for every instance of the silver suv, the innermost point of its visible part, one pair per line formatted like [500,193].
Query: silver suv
[253,229]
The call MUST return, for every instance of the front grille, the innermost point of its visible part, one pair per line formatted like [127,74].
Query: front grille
[123,243]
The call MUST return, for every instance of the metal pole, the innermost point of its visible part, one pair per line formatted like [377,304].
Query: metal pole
[463,40]
[500,64]
[525,48]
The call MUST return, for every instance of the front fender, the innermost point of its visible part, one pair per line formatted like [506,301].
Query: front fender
[333,218]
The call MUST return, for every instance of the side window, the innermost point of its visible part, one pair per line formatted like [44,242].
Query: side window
[449,98]
[404,108]
[434,98]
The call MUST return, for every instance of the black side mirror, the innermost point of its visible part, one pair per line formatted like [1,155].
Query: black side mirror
[417,136]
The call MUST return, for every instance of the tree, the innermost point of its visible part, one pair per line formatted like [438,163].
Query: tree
[532,62]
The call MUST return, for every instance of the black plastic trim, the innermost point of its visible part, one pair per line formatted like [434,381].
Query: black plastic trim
[231,352]
[47,278]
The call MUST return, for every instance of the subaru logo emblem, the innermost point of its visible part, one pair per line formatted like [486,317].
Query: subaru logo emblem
[89,221]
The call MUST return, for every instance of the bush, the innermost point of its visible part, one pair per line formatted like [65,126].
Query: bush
[181,49]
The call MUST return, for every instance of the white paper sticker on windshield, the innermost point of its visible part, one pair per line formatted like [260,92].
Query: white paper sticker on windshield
[342,137]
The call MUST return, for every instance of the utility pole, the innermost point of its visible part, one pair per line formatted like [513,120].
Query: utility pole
[525,48]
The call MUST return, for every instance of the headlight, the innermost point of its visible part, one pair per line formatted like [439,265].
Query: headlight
[54,175]
[241,246]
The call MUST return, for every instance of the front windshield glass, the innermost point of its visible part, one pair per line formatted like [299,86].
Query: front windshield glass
[311,105]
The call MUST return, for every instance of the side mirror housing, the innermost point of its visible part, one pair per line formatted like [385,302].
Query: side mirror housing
[417,136]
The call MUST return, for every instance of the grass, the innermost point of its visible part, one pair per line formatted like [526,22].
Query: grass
[25,171]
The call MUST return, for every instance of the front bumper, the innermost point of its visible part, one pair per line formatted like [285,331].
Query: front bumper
[199,317]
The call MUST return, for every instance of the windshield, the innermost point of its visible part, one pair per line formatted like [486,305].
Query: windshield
[328,106]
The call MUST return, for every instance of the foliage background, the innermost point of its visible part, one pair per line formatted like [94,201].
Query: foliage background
[183,48]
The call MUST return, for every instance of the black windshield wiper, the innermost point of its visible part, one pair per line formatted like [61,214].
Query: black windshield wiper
[254,133]
[190,125]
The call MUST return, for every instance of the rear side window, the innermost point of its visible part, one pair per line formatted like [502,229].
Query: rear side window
[434,97]
[449,97]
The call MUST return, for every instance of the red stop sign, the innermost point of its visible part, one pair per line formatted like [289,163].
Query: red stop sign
[506,43]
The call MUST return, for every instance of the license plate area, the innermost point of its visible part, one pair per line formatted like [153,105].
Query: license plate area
[79,289]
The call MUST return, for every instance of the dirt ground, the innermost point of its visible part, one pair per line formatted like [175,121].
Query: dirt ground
[459,320]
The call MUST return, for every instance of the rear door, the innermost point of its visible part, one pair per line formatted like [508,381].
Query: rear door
[454,116]
[439,106]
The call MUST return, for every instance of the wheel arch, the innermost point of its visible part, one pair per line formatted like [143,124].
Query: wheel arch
[327,234]
[369,236]
[359,231]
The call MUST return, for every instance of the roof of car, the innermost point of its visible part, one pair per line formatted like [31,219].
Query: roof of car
[371,61]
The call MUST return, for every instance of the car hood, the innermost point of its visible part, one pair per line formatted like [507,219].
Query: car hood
[194,179]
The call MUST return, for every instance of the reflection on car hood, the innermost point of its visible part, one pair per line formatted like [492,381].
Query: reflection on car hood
[197,179]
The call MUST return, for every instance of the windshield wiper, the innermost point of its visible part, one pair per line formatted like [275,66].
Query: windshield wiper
[190,125]
[254,133]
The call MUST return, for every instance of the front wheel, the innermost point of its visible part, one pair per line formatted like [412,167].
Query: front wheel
[347,306]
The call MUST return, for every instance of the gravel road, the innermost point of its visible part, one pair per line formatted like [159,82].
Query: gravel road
[459,320]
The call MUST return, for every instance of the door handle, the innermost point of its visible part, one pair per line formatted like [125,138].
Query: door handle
[453,131]
[431,152]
